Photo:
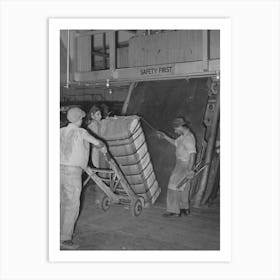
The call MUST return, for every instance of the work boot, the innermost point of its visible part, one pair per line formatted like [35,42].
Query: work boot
[185,212]
[68,245]
[169,215]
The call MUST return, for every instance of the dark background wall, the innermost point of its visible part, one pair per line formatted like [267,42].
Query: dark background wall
[158,103]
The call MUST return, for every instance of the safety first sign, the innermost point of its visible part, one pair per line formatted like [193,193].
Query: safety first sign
[157,70]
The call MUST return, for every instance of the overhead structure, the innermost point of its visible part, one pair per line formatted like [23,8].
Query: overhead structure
[126,56]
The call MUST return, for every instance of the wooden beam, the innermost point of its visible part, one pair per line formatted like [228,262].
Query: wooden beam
[112,51]
[130,31]
[186,69]
[93,76]
[205,49]
[92,54]
[214,64]
[68,59]
[123,44]
[73,54]
[100,53]
[104,49]
[91,32]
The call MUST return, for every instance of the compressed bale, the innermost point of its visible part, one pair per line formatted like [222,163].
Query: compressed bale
[119,128]
[134,169]
[127,144]
[135,158]
[122,140]
[143,176]
[146,186]
[124,148]
[152,194]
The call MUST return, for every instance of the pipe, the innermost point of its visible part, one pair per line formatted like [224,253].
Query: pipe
[68,59]
[208,156]
[125,105]
[215,165]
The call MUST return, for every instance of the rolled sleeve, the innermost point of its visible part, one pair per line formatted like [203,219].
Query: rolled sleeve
[190,146]
[89,138]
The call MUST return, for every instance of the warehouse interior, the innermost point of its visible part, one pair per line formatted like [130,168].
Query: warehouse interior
[156,75]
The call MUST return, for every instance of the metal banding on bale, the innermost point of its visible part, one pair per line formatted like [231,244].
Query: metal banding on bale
[124,149]
[143,176]
[131,159]
[135,168]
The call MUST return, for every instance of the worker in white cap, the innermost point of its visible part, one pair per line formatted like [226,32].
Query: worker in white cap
[74,156]
[177,194]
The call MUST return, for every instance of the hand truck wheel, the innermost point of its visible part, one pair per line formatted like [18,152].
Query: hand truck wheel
[136,207]
[105,203]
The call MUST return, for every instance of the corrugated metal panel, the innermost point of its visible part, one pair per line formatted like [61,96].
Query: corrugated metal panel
[84,54]
[168,47]
[214,44]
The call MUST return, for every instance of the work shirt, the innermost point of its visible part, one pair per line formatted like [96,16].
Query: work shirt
[185,145]
[95,127]
[74,149]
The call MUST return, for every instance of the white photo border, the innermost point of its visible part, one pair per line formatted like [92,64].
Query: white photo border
[57,24]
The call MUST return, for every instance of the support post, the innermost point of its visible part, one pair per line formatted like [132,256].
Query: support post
[112,46]
[104,49]
[208,156]
[205,49]
[92,54]
[68,59]
[125,105]
[72,55]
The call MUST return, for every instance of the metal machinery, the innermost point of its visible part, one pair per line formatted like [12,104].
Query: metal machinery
[115,187]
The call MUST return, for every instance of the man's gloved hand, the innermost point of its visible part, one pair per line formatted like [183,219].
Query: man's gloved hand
[160,134]
[190,174]
[104,149]
[88,170]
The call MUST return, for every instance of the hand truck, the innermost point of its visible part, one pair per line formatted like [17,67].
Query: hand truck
[115,187]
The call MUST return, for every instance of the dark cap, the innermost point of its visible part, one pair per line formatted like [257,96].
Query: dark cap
[177,122]
[94,109]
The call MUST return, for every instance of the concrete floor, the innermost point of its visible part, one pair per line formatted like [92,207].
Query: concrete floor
[116,229]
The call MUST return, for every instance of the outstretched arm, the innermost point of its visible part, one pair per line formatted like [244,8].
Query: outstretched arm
[167,138]
[98,143]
